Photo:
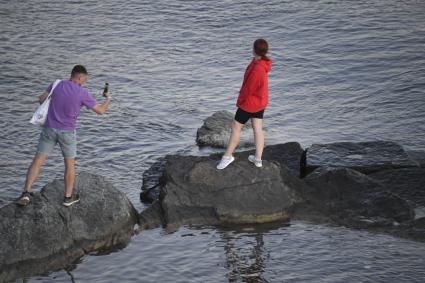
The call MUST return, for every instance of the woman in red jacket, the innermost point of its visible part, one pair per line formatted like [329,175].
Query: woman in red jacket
[252,101]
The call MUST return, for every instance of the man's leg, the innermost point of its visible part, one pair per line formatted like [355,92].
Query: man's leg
[34,170]
[69,176]
[234,138]
[46,143]
[68,144]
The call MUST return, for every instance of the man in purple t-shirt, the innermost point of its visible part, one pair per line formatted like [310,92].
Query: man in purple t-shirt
[66,101]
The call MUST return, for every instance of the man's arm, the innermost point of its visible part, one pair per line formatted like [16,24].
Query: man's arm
[43,97]
[101,108]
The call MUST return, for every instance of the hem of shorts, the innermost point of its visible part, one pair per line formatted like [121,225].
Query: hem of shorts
[69,157]
[65,157]
[42,152]
[60,129]
[250,111]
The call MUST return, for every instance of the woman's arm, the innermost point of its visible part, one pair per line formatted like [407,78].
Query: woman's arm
[253,81]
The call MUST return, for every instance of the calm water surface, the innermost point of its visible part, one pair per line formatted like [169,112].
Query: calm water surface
[342,71]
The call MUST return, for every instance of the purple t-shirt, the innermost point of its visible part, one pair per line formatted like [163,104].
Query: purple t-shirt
[66,102]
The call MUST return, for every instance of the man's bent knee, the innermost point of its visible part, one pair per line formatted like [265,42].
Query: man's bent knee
[39,158]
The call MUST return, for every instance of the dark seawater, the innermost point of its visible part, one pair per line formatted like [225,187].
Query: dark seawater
[342,71]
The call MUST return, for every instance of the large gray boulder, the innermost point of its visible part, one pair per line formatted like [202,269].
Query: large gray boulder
[288,155]
[195,192]
[215,131]
[366,157]
[354,199]
[45,235]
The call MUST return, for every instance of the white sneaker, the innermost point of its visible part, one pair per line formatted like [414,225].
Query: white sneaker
[258,163]
[225,161]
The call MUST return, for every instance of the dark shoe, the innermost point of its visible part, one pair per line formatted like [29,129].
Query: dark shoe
[25,198]
[68,201]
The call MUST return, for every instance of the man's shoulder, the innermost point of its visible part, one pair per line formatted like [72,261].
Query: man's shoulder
[74,87]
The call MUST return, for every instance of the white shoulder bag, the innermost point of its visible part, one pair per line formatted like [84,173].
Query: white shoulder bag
[40,115]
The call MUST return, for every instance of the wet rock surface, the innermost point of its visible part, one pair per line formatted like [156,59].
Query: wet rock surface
[353,199]
[366,157]
[408,183]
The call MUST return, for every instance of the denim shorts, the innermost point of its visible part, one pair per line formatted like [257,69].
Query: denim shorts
[67,140]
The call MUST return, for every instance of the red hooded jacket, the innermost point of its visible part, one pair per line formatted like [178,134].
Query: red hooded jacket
[253,96]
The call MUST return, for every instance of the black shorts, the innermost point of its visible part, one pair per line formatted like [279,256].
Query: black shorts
[242,116]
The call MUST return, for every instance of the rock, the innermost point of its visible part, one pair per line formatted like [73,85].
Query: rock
[195,192]
[419,212]
[354,199]
[152,181]
[408,183]
[45,235]
[215,131]
[418,156]
[414,229]
[366,157]
[288,154]
[151,217]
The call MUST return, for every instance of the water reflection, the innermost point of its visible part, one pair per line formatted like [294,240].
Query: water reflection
[245,252]
[249,267]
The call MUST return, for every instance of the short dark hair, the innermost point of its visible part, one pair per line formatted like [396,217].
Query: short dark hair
[78,69]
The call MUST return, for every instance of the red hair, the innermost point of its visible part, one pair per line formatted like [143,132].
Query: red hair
[260,48]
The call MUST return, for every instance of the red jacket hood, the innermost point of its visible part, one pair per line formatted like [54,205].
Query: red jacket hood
[264,63]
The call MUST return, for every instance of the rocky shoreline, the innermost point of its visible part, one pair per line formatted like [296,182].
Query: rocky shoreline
[374,185]
[191,191]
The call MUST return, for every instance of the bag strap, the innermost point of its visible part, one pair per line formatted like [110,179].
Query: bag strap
[55,84]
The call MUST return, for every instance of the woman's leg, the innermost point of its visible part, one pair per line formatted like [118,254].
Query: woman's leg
[257,126]
[234,138]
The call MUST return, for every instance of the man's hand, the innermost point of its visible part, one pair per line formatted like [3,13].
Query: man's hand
[101,108]
[107,95]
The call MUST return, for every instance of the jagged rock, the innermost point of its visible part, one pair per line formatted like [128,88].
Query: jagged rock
[45,235]
[151,217]
[366,157]
[195,192]
[354,199]
[215,131]
[408,183]
[287,154]
[152,181]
